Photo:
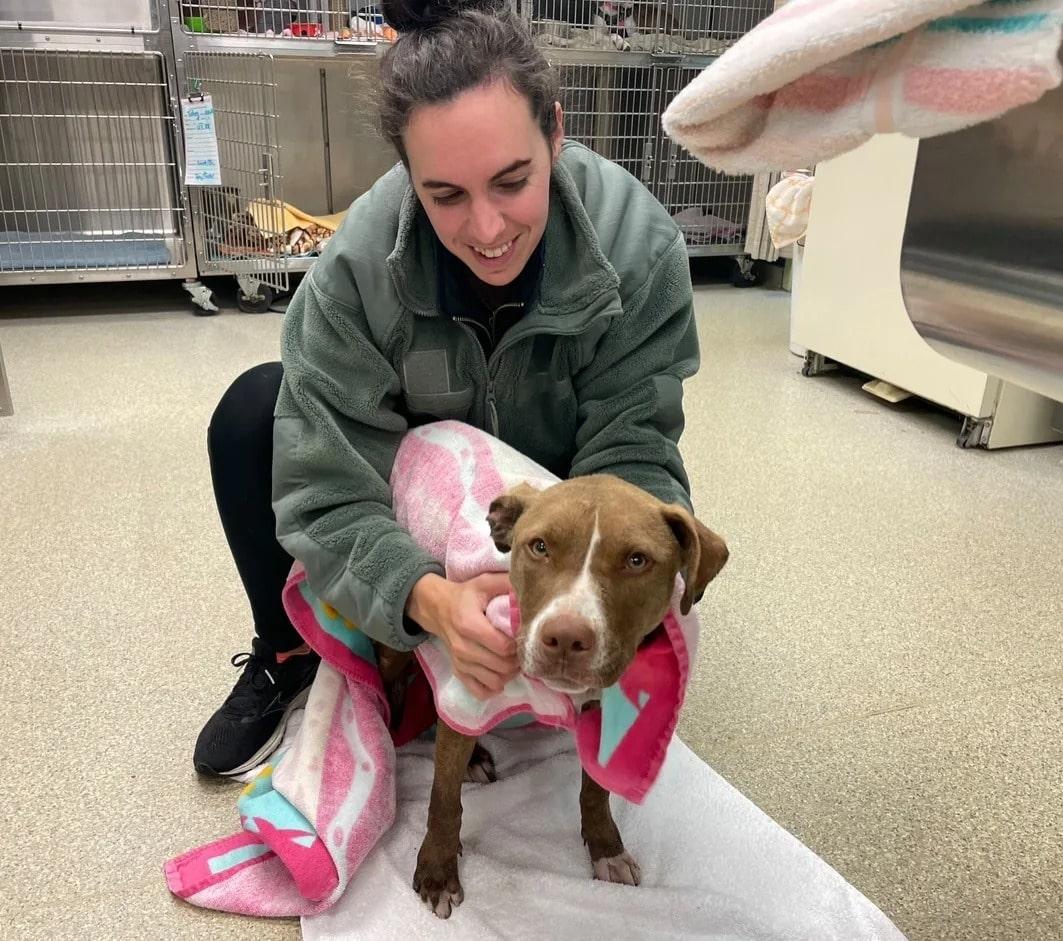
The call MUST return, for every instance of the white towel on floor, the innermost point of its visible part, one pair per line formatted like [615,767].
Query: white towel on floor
[713,865]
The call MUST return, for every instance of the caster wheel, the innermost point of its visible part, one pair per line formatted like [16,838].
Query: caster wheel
[203,300]
[206,306]
[813,365]
[745,273]
[258,304]
[974,433]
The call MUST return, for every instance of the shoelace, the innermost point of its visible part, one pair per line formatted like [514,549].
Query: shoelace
[259,666]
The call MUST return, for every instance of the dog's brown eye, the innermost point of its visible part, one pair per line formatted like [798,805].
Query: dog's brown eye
[637,561]
[538,547]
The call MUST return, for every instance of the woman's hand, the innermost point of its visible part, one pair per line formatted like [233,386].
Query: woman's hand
[484,658]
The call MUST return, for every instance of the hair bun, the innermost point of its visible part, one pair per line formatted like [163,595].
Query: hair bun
[405,16]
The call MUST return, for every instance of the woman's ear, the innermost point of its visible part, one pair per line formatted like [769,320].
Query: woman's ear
[559,131]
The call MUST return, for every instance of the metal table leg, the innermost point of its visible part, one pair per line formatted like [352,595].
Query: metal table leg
[6,407]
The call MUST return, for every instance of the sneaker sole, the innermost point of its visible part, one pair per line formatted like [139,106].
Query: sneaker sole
[273,741]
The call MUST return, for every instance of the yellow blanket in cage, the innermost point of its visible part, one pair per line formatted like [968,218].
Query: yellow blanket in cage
[276,216]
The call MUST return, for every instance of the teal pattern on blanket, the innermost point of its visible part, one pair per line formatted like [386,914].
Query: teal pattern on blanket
[977,24]
[237,856]
[337,626]
[261,806]
[618,716]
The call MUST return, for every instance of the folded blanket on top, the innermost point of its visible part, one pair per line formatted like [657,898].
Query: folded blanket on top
[311,817]
[819,77]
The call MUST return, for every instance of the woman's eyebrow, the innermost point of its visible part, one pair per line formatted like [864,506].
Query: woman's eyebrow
[505,171]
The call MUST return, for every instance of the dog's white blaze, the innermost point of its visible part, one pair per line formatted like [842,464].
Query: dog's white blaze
[583,598]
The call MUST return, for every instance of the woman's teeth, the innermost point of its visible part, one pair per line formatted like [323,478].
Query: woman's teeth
[494,252]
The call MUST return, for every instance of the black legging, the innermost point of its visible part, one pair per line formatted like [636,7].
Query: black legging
[240,445]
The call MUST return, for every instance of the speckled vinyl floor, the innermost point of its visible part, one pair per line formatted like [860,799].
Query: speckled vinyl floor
[881,668]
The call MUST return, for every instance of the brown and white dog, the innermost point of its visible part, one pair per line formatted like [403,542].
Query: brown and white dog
[593,566]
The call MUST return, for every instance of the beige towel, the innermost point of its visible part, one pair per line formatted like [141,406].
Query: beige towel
[787,208]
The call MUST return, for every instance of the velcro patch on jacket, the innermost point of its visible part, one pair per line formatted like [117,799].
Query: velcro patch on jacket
[426,372]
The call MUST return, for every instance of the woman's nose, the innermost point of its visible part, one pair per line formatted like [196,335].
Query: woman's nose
[486,224]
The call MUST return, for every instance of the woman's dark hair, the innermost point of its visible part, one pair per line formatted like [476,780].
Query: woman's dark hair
[446,47]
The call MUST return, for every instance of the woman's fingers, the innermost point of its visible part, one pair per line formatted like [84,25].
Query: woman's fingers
[472,654]
[489,645]
[472,623]
[484,658]
[492,584]
[474,686]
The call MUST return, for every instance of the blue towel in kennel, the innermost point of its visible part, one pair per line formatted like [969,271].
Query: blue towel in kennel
[55,251]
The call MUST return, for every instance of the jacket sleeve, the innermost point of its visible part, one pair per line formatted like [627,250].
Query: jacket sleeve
[631,394]
[336,433]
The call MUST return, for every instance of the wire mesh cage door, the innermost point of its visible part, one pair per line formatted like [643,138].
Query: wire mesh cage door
[88,170]
[613,110]
[714,24]
[239,226]
[711,209]
[671,27]
[307,19]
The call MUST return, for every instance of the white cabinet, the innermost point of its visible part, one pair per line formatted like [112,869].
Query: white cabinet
[848,307]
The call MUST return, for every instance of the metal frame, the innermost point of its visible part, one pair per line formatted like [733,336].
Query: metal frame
[614,92]
[669,27]
[6,405]
[239,70]
[665,43]
[238,226]
[312,19]
[613,102]
[712,209]
[90,146]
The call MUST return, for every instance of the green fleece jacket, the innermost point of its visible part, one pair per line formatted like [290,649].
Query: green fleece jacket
[588,381]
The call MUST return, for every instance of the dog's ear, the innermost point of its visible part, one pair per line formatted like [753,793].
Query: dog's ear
[702,553]
[504,512]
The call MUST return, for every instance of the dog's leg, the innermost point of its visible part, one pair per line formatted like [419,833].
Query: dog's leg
[436,876]
[393,666]
[611,862]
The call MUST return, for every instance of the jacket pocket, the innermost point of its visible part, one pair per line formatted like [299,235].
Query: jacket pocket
[441,405]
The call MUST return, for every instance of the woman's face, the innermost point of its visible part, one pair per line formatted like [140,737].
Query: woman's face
[481,167]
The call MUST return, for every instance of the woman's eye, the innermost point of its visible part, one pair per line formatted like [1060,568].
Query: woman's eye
[637,561]
[449,200]
[513,186]
[538,547]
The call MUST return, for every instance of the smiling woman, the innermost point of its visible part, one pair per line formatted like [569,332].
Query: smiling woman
[471,106]
[499,276]
[489,204]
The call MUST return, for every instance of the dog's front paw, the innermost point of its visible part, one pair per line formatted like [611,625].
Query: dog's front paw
[439,886]
[621,869]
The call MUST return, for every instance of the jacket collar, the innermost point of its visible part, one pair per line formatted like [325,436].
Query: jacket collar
[455,295]
[577,280]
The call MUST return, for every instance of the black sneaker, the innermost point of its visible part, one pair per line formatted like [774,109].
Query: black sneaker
[250,723]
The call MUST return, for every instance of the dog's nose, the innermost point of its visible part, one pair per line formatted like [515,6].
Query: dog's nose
[567,635]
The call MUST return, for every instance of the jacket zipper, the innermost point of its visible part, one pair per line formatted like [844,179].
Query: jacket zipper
[491,406]
[507,341]
[490,403]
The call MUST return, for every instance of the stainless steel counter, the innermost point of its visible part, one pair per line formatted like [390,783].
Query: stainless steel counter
[982,264]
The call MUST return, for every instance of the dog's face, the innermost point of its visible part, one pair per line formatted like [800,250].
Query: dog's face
[593,566]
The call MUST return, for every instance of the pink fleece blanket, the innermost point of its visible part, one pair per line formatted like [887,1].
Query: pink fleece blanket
[820,77]
[310,818]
